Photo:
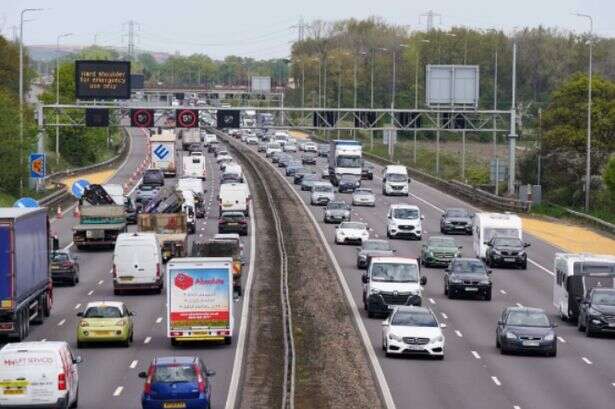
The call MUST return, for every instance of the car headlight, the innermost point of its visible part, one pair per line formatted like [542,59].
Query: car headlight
[510,335]
[522,253]
[456,280]
[496,251]
[439,338]
[447,222]
[84,324]
[430,253]
[549,337]
[594,312]
[485,281]
[119,323]
[374,291]
[395,337]
[362,256]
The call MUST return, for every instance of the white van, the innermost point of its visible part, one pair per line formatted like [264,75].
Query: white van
[194,166]
[234,197]
[490,225]
[137,263]
[189,208]
[395,180]
[234,169]
[38,374]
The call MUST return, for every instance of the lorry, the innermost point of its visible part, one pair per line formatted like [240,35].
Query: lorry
[194,167]
[195,186]
[171,230]
[224,245]
[117,194]
[199,299]
[26,291]
[163,152]
[344,159]
[190,136]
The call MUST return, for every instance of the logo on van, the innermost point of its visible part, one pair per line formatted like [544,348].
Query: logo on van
[161,151]
[183,281]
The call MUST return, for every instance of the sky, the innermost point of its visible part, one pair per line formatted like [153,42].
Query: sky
[265,29]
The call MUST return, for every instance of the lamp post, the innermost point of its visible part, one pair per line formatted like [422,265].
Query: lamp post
[319,71]
[371,97]
[58,93]
[589,112]
[416,94]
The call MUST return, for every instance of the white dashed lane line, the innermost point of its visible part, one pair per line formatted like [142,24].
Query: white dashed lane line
[476,355]
[158,320]
[444,315]
[519,305]
[61,322]
[91,292]
[502,292]
[496,380]
[587,361]
[100,282]
[118,391]
[147,340]
[133,364]
[77,306]
[431,300]
[458,333]
[562,340]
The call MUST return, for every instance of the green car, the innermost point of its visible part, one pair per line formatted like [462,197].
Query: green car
[439,251]
[105,321]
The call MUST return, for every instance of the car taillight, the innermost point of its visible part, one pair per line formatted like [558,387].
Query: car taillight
[157,270]
[237,266]
[221,221]
[242,222]
[147,388]
[199,378]
[67,264]
[114,271]
[62,381]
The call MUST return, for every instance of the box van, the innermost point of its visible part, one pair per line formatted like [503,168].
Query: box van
[189,208]
[395,180]
[490,225]
[234,197]
[194,166]
[38,374]
[233,169]
[137,263]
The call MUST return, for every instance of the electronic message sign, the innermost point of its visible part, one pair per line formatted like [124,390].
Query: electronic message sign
[102,79]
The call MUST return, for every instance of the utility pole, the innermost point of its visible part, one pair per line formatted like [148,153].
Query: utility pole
[512,138]
[58,94]
[495,134]
[354,93]
[429,17]
[339,91]
[133,28]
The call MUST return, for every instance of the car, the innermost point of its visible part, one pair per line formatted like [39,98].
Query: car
[195,148]
[230,178]
[351,233]
[223,158]
[367,170]
[324,173]
[212,146]
[252,140]
[284,160]
[153,177]
[322,193]
[404,221]
[261,147]
[373,248]
[273,147]
[526,329]
[348,183]
[336,212]
[145,193]
[275,156]
[363,196]
[467,276]
[298,176]
[308,158]
[506,251]
[290,147]
[293,167]
[105,321]
[310,147]
[456,220]
[233,222]
[177,382]
[64,267]
[439,251]
[597,312]
[323,150]
[308,180]
[411,330]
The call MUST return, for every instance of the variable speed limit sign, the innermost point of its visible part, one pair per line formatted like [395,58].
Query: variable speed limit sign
[187,118]
[142,118]
[228,118]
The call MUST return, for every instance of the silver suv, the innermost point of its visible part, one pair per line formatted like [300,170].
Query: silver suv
[322,193]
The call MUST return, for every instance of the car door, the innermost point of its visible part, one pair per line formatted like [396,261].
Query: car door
[501,324]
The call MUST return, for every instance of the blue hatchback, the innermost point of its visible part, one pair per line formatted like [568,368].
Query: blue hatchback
[180,382]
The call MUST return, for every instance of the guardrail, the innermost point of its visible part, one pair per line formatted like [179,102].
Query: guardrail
[588,219]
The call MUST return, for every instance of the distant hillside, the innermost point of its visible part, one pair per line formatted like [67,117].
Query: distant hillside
[47,53]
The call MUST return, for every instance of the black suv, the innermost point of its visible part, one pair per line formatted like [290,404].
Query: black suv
[467,276]
[153,177]
[367,171]
[597,312]
[506,251]
[456,221]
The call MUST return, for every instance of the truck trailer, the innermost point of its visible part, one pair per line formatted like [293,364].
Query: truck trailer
[344,159]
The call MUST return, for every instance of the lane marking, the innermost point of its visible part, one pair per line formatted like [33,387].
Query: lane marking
[476,355]
[118,391]
[158,320]
[444,316]
[61,322]
[587,361]
[546,270]
[133,364]
[100,282]
[516,407]
[562,340]
[91,292]
[458,333]
[519,305]
[502,292]
[147,340]
[77,306]
[44,340]
[496,380]
[431,300]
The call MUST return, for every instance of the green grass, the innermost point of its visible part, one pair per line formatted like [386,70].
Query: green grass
[546,209]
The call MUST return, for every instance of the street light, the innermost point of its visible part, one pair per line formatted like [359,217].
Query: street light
[589,112]
[58,93]
[319,71]
[416,93]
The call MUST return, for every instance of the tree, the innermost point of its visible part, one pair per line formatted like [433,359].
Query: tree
[609,176]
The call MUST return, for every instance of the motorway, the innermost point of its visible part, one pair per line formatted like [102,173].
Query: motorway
[108,374]
[474,374]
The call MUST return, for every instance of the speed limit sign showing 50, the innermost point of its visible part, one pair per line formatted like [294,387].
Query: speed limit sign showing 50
[187,118]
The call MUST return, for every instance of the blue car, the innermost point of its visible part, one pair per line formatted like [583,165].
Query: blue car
[177,382]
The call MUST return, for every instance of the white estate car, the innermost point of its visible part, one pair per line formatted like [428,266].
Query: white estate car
[404,220]
[310,147]
[351,232]
[363,196]
[411,330]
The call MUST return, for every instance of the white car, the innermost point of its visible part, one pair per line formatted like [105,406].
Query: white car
[404,220]
[413,330]
[252,140]
[222,158]
[310,147]
[351,232]
[273,147]
[363,196]
[290,147]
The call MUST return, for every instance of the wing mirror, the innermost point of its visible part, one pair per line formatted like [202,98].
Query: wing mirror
[143,375]
[385,323]
[526,244]
[77,359]
[489,272]
[500,322]
[487,243]
[447,270]
[460,247]
[554,325]
[442,325]
[365,278]
[80,314]
[210,372]
[423,280]
[422,217]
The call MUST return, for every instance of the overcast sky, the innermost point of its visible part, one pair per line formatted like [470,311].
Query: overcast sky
[262,28]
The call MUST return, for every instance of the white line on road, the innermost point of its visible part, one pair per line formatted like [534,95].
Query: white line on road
[476,355]
[587,361]
[133,364]
[91,292]
[61,322]
[431,300]
[562,340]
[77,306]
[118,391]
[516,407]
[158,320]
[502,292]
[100,282]
[496,380]
[44,340]
[147,340]
[519,305]
[546,270]
[444,316]
[458,333]
[613,384]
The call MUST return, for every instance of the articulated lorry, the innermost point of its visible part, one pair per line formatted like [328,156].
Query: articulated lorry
[26,291]
[344,159]
[190,136]
[200,299]
[163,152]
[171,230]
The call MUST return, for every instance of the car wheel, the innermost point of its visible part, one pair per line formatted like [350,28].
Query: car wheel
[497,342]
[117,292]
[503,349]
[553,352]
[370,314]
[76,402]
[80,344]
[384,346]
[445,289]
[126,343]
[524,265]
[588,332]
[439,357]
[488,295]
[74,281]
[580,325]
[389,235]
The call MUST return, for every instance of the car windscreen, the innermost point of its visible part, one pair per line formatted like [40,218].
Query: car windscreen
[323,188]
[59,257]
[174,373]
[468,267]
[606,298]
[274,145]
[310,177]
[395,273]
[348,179]
[103,312]
[233,216]
[363,192]
[507,241]
[146,188]
[397,177]
[414,319]
[528,319]
[353,226]
[336,205]
[348,162]
[376,245]
[456,213]
[406,214]
[442,242]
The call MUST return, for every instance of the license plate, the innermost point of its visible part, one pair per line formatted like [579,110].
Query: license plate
[95,234]
[14,391]
[126,278]
[531,343]
[232,224]
[174,405]
[102,332]
[416,347]
[509,259]
[226,205]
[471,289]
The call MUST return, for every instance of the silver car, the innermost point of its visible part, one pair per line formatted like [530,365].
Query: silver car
[322,193]
[363,196]
[336,212]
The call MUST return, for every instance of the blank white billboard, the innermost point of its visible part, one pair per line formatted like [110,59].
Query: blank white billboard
[261,84]
[452,85]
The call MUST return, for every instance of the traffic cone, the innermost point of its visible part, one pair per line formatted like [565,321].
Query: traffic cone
[76,212]
[59,213]
[125,188]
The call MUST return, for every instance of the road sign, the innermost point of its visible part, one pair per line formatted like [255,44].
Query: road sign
[187,118]
[97,117]
[79,187]
[389,136]
[38,166]
[452,85]
[26,202]
[161,151]
[102,79]
[142,118]
[228,118]
[499,168]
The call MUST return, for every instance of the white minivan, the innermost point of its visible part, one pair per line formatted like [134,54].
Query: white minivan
[39,374]
[137,263]
[395,180]
[234,197]
[194,166]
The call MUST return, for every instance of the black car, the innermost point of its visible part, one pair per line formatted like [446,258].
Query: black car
[153,177]
[308,158]
[145,193]
[211,147]
[195,147]
[284,160]
[367,171]
[308,181]
[456,221]
[233,222]
[597,312]
[373,248]
[64,267]
[323,150]
[506,251]
[293,167]
[131,211]
[348,183]
[524,329]
[467,276]
[298,176]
